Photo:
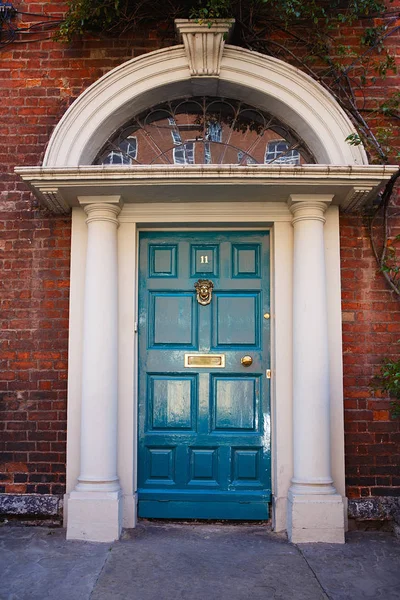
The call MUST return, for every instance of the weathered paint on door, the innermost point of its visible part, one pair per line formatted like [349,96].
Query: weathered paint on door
[204,432]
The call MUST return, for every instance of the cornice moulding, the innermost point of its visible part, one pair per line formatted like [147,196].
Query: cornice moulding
[59,188]
[205,173]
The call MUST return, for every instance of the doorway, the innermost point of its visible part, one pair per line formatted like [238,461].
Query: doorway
[204,351]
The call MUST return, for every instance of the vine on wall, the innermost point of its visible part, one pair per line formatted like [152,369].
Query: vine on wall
[310,34]
[348,46]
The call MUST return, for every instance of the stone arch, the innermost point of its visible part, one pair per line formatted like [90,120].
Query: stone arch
[263,81]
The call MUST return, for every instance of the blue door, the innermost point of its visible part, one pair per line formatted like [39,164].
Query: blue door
[204,341]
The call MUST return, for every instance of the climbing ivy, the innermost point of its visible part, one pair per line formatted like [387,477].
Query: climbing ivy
[388,380]
[307,33]
[321,37]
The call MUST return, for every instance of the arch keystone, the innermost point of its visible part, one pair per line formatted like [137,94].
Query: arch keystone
[204,44]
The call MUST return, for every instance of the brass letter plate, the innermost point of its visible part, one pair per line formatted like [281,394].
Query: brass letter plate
[209,361]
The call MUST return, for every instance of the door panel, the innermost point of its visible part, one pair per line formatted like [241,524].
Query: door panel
[204,440]
[173,320]
[236,319]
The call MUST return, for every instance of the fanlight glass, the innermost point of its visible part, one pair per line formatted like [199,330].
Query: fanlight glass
[207,131]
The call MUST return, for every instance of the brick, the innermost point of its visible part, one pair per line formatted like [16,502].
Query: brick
[386,491]
[16,468]
[381,415]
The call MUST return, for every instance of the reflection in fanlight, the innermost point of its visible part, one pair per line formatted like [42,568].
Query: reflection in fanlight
[207,131]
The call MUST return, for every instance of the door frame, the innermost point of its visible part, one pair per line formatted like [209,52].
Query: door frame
[278,219]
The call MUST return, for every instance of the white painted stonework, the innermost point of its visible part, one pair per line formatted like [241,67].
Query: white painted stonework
[97,494]
[315,509]
[204,45]
[300,206]
[267,82]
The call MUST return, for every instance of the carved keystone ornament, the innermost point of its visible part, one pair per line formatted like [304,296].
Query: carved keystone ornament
[204,44]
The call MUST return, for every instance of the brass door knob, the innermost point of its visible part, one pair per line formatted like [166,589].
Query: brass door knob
[246,361]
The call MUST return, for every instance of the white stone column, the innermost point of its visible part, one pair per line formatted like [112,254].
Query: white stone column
[315,510]
[94,507]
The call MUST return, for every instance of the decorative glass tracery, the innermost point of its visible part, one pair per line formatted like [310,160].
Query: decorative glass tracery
[204,131]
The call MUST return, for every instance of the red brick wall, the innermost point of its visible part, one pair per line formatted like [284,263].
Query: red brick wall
[34,285]
[371,324]
[371,330]
[38,81]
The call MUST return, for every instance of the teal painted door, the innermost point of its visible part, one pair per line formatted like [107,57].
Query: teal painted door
[204,432]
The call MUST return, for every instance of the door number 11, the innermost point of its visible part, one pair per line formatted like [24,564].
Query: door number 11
[204,260]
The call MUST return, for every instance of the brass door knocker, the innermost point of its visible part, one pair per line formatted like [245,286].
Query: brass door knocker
[204,288]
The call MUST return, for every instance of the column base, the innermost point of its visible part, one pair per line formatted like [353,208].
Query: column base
[94,516]
[315,518]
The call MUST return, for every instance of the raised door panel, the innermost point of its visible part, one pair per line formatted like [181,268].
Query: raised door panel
[235,403]
[204,260]
[160,465]
[173,320]
[172,402]
[203,470]
[246,261]
[236,318]
[163,260]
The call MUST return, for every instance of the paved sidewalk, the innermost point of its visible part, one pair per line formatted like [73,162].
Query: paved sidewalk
[196,562]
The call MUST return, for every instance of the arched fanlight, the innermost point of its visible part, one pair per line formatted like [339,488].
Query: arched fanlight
[204,131]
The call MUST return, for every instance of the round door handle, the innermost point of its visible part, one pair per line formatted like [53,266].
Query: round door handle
[246,361]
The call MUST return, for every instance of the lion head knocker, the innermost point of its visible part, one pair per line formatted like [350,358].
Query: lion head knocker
[204,288]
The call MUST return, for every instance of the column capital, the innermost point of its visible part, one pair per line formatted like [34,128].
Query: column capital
[101,208]
[309,207]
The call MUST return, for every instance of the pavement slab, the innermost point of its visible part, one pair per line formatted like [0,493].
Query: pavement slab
[37,563]
[212,562]
[367,566]
[171,561]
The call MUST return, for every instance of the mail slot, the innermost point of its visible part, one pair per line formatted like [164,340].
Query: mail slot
[205,360]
